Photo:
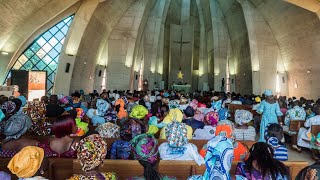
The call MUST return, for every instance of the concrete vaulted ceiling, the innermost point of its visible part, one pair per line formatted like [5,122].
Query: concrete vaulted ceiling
[261,39]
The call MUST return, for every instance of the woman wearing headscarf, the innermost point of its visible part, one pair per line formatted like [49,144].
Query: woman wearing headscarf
[14,129]
[28,163]
[226,128]
[218,157]
[270,110]
[177,146]
[261,165]
[145,150]
[91,152]
[174,115]
[119,107]
[189,120]
[97,114]
[312,172]
[242,131]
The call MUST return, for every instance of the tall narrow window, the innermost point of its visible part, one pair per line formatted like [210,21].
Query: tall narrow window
[43,53]
[228,75]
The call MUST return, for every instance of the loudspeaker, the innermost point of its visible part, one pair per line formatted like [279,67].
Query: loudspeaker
[67,67]
[100,73]
[136,77]
[283,80]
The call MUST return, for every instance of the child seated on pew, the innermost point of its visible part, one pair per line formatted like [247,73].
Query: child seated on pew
[145,150]
[261,164]
[273,136]
[91,152]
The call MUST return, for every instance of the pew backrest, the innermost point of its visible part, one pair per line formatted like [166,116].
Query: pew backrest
[295,125]
[315,129]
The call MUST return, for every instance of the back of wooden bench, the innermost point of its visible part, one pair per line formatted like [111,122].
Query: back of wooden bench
[315,129]
[179,169]
[295,125]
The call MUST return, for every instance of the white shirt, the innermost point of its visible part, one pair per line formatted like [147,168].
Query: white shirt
[190,153]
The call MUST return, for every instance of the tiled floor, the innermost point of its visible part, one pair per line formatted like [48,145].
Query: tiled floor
[305,155]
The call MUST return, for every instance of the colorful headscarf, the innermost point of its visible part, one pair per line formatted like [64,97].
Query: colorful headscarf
[212,118]
[122,112]
[218,158]
[120,149]
[96,120]
[63,99]
[173,114]
[138,112]
[173,104]
[9,106]
[242,116]
[102,107]
[80,113]
[82,127]
[16,126]
[225,128]
[223,114]
[91,152]
[257,99]
[27,162]
[268,92]
[108,130]
[144,148]
[241,152]
[216,104]
[176,134]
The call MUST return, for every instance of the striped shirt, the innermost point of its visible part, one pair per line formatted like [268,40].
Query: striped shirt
[280,151]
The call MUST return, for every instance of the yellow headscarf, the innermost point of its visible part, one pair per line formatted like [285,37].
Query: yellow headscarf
[27,162]
[173,114]
[257,99]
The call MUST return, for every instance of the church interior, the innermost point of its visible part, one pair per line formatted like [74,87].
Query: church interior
[159,89]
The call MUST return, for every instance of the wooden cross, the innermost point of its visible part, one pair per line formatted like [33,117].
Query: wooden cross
[181,43]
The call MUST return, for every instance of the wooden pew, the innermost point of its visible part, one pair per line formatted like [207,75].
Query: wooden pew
[294,168]
[234,107]
[294,126]
[60,168]
[179,169]
[315,129]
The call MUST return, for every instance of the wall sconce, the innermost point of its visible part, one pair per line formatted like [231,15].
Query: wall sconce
[4,53]
[308,71]
[216,74]
[90,77]
[295,84]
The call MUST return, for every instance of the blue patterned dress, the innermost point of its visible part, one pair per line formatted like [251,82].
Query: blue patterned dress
[269,115]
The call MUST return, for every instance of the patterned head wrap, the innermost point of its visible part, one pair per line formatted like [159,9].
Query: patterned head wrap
[80,113]
[173,114]
[268,92]
[166,94]
[138,112]
[108,130]
[91,152]
[9,106]
[218,158]
[173,104]
[242,116]
[16,126]
[257,99]
[102,107]
[27,162]
[144,148]
[211,118]
[120,149]
[189,111]
[225,128]
[63,99]
[122,112]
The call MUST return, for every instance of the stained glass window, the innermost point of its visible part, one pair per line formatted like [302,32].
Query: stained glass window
[43,53]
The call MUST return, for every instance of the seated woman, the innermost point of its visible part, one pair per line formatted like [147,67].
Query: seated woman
[303,138]
[296,113]
[174,115]
[177,146]
[218,158]
[189,113]
[91,152]
[28,163]
[145,150]
[261,165]
[53,109]
[312,172]
[62,145]
[242,131]
[14,129]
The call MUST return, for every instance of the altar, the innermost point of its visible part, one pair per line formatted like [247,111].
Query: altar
[186,88]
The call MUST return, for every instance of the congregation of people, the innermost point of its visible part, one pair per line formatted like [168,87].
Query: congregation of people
[138,120]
